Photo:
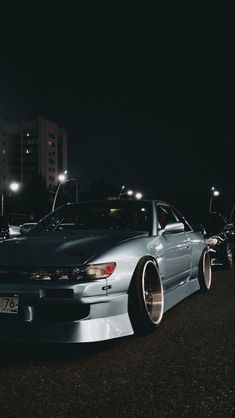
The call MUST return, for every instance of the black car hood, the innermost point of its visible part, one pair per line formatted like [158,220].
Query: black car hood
[68,248]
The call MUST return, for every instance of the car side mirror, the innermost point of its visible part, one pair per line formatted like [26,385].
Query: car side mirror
[173,228]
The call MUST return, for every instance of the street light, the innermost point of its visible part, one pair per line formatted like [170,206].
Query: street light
[214,193]
[138,195]
[121,191]
[62,180]
[124,192]
[14,187]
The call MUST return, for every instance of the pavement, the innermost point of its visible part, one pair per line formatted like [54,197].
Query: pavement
[184,369]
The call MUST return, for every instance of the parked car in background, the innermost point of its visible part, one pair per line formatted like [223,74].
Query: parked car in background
[232,215]
[26,227]
[8,231]
[219,233]
[99,270]
[14,230]
[232,228]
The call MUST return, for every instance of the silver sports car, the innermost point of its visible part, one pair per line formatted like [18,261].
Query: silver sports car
[99,270]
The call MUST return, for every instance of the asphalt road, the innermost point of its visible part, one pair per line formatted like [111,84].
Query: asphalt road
[184,369]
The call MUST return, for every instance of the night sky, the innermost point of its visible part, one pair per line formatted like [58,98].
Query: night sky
[144,92]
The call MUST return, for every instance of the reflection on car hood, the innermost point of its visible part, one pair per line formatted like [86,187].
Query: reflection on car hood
[60,248]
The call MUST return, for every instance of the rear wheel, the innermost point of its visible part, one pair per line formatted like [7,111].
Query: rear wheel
[204,276]
[146,299]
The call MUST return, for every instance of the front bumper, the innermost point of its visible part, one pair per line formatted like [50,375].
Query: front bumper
[58,312]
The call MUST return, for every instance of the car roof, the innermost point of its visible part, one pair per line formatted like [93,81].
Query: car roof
[120,200]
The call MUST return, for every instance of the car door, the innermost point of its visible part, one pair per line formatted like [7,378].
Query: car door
[176,248]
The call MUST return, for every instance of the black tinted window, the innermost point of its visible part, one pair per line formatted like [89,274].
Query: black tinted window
[180,218]
[114,214]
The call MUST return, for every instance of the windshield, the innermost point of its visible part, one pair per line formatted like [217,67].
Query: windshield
[113,214]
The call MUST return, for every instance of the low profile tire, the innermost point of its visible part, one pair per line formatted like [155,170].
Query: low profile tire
[146,299]
[227,257]
[204,276]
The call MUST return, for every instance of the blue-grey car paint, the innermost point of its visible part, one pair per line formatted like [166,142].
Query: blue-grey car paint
[177,258]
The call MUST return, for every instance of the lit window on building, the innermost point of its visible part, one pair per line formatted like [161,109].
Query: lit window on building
[4,151]
[51,143]
[27,151]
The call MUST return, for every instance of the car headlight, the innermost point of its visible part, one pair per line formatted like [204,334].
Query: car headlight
[59,273]
[99,271]
[90,271]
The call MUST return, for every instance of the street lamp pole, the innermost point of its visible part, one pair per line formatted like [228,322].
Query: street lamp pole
[63,180]
[56,194]
[76,190]
[121,191]
[14,187]
[214,193]
[2,204]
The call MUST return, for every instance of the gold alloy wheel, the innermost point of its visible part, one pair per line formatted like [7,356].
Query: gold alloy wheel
[152,292]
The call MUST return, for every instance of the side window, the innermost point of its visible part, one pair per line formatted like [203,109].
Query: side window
[165,216]
[180,218]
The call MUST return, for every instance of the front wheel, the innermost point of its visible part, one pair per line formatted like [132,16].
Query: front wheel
[146,299]
[204,275]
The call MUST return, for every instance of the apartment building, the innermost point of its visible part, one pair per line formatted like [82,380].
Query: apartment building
[31,147]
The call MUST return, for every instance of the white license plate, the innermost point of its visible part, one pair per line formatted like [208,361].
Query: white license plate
[9,304]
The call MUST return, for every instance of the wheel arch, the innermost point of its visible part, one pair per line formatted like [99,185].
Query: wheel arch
[142,259]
